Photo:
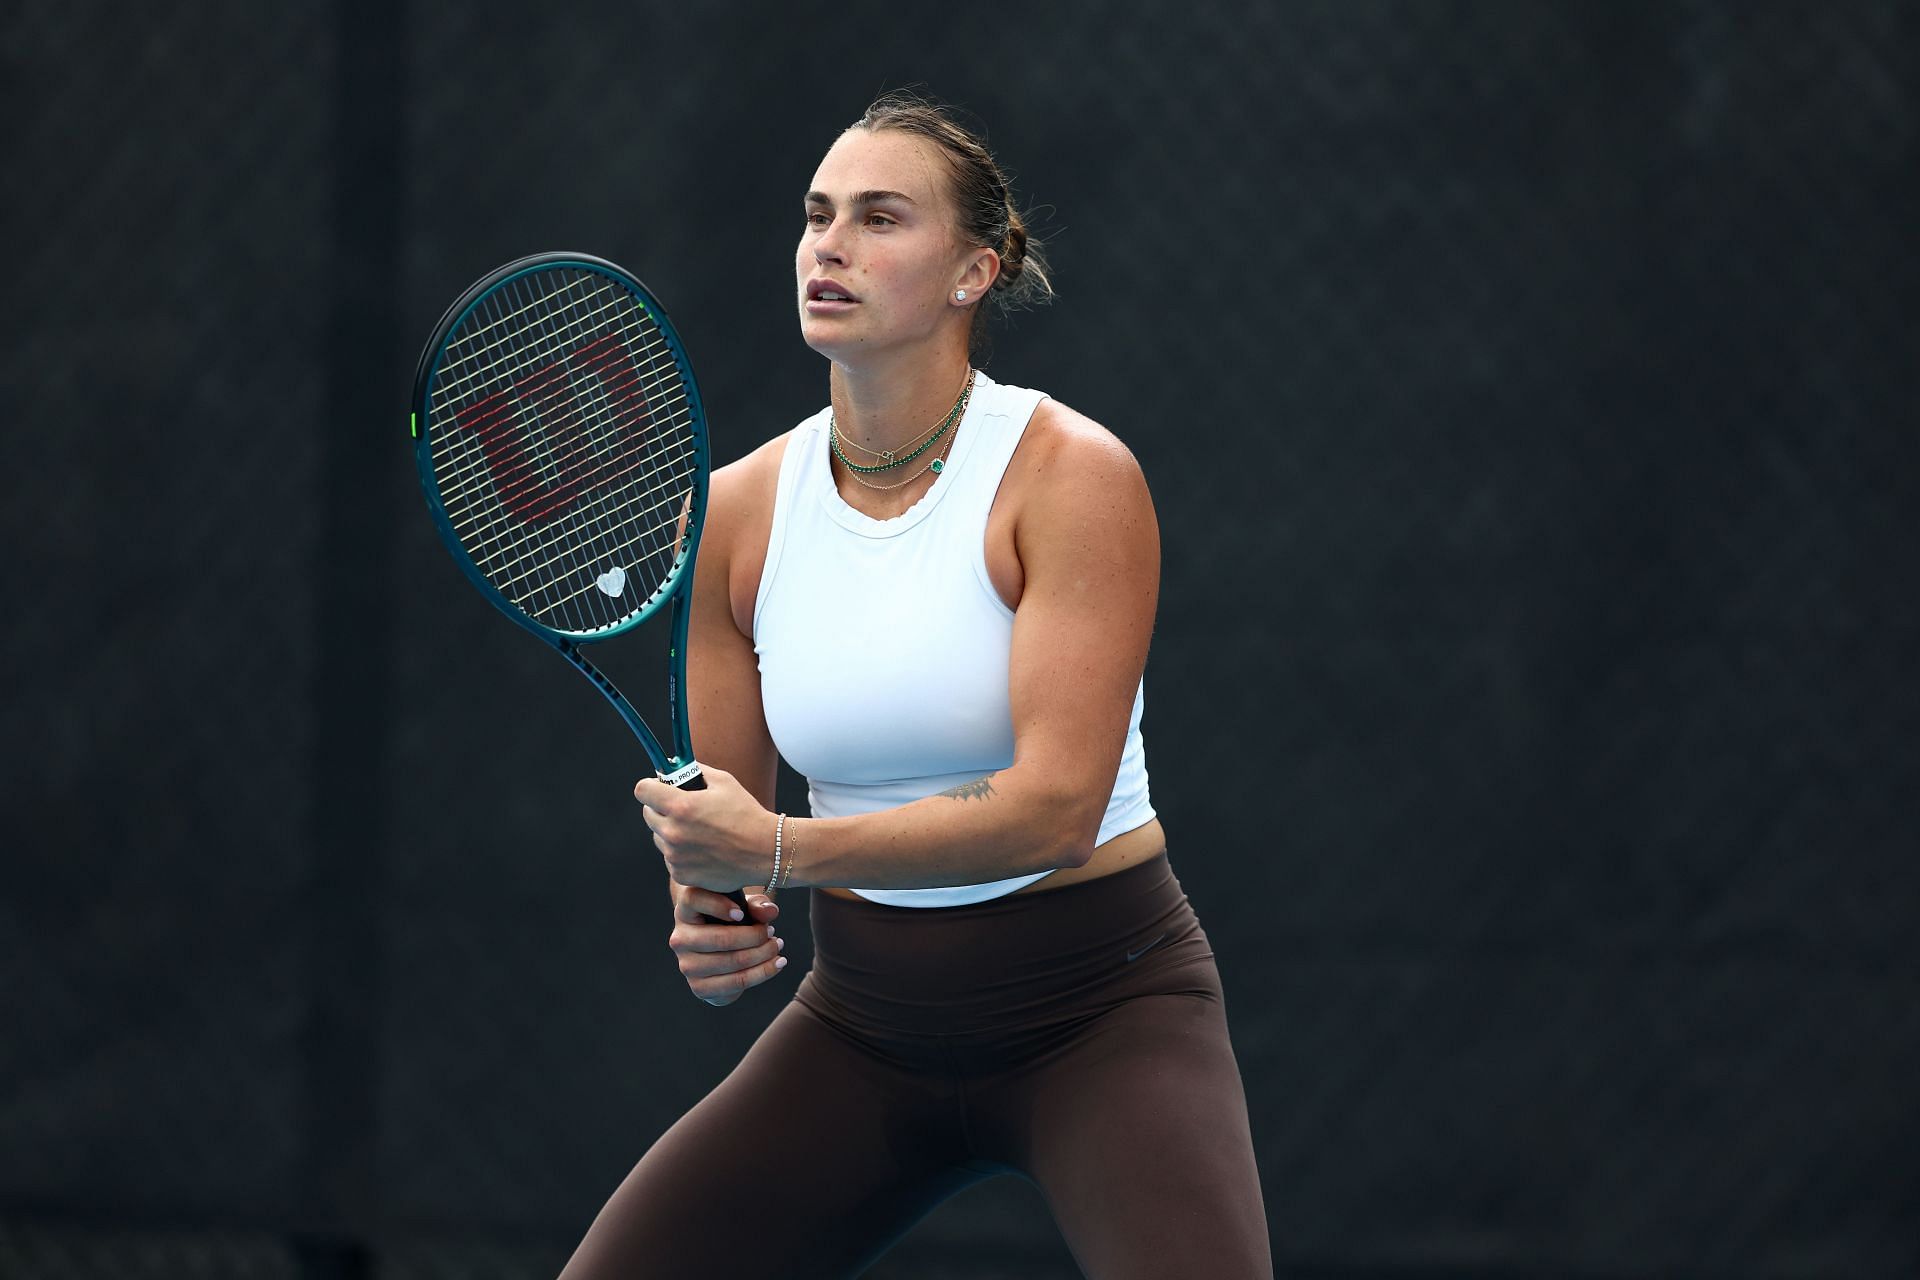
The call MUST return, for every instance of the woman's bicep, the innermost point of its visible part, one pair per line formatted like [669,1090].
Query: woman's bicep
[1090,552]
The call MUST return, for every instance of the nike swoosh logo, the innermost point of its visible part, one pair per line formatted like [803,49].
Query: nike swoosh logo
[1135,955]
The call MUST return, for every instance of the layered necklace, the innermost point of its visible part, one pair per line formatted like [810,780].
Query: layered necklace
[890,459]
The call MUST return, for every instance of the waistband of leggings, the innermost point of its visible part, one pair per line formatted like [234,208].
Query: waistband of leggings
[941,967]
[1147,876]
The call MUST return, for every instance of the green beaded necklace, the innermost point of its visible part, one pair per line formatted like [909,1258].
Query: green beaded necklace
[953,416]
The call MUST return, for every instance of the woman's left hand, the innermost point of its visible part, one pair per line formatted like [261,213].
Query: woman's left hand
[719,838]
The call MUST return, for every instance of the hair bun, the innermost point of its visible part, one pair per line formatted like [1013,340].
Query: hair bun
[1023,281]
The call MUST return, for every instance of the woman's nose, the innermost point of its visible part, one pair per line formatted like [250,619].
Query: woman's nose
[826,246]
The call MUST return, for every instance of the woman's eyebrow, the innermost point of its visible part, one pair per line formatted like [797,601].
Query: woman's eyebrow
[862,197]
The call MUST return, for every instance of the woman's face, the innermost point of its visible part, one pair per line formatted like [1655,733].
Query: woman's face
[880,235]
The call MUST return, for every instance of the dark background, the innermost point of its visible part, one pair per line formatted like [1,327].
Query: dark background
[1527,394]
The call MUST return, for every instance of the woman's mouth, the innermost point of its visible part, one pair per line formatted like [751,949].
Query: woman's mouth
[826,297]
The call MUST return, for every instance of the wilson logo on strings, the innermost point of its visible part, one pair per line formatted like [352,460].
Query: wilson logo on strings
[570,427]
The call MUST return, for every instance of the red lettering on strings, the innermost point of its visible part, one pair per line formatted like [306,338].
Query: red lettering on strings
[549,441]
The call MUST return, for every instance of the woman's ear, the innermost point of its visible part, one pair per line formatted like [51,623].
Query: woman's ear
[981,270]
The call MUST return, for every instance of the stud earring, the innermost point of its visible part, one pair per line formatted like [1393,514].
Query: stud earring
[959,295]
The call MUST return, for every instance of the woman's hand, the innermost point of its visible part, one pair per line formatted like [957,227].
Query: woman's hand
[719,838]
[719,961]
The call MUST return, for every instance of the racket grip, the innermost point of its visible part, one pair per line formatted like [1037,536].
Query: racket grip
[691,779]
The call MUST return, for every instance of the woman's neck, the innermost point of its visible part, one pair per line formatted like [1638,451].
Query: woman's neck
[884,406]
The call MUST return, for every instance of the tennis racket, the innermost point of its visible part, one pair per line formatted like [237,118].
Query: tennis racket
[563,452]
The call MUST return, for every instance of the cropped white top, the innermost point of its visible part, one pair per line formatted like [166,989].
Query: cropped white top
[884,648]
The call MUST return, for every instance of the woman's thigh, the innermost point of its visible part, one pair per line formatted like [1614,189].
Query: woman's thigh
[1137,1134]
[808,1160]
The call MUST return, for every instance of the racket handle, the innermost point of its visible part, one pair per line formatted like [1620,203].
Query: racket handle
[691,779]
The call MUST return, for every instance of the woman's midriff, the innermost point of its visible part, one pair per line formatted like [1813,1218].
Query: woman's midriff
[1117,854]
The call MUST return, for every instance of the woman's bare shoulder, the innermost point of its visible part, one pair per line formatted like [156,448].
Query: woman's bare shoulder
[757,470]
[740,494]
[1064,448]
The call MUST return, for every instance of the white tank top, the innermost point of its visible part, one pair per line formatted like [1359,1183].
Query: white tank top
[877,725]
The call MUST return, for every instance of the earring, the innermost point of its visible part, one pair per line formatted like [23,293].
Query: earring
[959,295]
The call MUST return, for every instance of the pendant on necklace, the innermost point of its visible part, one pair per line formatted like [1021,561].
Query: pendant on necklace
[938,465]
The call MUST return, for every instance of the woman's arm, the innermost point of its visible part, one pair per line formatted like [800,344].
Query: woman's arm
[729,731]
[1089,549]
[724,711]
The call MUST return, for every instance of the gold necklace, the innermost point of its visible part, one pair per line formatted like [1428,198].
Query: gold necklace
[887,455]
[914,447]
[937,465]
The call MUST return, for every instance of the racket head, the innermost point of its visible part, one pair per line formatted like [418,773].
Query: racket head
[562,446]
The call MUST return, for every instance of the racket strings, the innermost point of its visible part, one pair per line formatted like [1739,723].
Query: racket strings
[567,558]
[636,460]
[474,374]
[509,559]
[487,537]
[579,372]
[499,554]
[592,536]
[515,479]
[463,383]
[501,320]
[593,585]
[514,482]
[537,307]
[554,375]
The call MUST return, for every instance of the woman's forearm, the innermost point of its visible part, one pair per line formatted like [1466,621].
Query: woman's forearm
[1002,825]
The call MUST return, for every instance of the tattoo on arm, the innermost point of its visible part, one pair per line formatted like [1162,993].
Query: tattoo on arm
[978,789]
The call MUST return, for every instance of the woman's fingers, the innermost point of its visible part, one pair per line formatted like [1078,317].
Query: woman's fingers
[726,989]
[702,938]
[719,964]
[720,961]
[703,906]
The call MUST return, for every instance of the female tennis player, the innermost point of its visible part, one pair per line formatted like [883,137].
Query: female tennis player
[934,598]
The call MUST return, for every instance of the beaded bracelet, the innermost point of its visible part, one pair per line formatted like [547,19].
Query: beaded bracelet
[779,827]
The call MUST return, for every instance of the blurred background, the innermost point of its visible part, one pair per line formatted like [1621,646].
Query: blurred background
[1528,396]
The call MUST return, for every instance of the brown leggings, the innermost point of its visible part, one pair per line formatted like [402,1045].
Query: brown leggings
[1075,1037]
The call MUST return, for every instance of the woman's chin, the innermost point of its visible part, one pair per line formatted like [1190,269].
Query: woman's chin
[835,342]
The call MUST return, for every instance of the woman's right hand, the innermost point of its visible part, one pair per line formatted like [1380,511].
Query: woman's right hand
[719,961]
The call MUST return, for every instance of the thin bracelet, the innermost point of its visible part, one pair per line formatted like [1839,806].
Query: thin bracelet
[789,874]
[773,881]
